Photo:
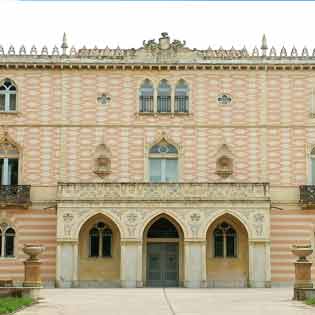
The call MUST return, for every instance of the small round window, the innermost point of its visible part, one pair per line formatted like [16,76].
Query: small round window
[224,99]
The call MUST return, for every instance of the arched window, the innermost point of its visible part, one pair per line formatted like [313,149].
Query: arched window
[9,242]
[164,97]
[7,96]
[146,97]
[100,240]
[163,162]
[181,97]
[312,166]
[225,241]
[9,162]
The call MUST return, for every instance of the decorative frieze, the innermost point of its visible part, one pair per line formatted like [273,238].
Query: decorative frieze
[162,191]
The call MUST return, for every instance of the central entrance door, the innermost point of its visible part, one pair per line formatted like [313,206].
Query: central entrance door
[162,265]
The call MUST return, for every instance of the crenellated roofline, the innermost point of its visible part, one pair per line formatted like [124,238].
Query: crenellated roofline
[162,55]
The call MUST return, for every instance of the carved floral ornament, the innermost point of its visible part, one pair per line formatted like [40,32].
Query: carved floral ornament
[103,99]
[224,99]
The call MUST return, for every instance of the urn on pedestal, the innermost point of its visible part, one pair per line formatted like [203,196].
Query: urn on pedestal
[32,275]
[302,266]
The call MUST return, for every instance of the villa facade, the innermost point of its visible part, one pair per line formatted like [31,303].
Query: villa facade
[157,166]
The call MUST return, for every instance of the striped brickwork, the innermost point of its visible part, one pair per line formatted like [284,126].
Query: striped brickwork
[59,124]
[31,227]
[289,227]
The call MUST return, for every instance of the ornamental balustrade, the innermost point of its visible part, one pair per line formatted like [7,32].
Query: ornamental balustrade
[15,195]
[151,51]
[163,191]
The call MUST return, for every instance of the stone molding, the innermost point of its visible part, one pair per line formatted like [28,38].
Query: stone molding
[189,192]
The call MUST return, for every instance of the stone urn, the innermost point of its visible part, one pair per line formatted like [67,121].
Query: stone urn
[302,251]
[32,272]
[33,251]
[302,267]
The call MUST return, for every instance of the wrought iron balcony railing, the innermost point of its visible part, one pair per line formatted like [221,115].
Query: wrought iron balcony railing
[15,195]
[307,195]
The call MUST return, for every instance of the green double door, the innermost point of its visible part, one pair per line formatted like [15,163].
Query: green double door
[162,265]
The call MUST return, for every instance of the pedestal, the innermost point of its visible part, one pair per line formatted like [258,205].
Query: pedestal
[32,275]
[303,274]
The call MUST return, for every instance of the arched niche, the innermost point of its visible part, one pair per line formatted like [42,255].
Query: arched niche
[226,267]
[103,268]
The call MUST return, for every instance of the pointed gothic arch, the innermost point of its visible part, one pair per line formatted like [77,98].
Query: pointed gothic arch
[227,252]
[99,251]
[163,161]
[10,153]
[163,252]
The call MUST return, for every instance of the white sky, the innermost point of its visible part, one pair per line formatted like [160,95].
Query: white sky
[128,23]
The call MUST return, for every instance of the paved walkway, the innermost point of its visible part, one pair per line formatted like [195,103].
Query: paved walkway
[168,302]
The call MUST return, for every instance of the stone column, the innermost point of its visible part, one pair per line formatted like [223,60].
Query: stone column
[32,274]
[131,263]
[67,263]
[195,264]
[259,264]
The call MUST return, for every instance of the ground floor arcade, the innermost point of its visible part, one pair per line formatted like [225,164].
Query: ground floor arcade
[193,243]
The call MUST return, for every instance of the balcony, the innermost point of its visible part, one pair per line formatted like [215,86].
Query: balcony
[15,195]
[163,192]
[307,196]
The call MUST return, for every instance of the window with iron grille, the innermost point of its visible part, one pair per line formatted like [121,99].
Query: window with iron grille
[146,97]
[181,97]
[164,97]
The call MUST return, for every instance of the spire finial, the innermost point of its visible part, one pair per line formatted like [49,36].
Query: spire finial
[64,45]
[264,46]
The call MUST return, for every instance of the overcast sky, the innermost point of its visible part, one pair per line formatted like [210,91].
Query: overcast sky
[127,23]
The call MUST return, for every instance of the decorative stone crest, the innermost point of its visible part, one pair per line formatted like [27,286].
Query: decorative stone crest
[164,43]
[102,163]
[67,219]
[194,221]
[259,220]
[131,220]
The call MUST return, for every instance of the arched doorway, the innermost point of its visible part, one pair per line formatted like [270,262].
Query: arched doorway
[163,253]
[99,253]
[227,253]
